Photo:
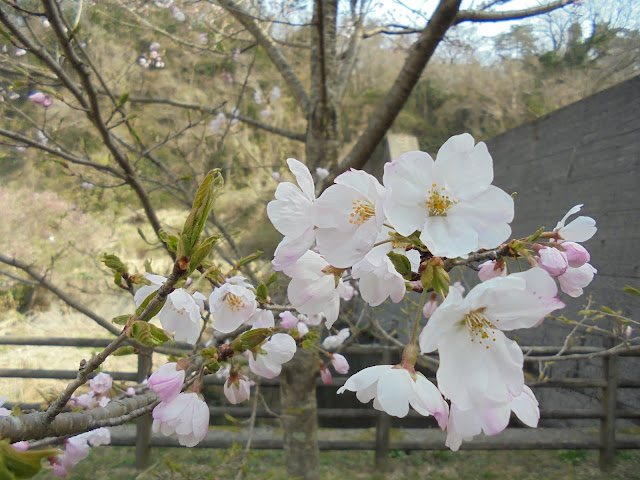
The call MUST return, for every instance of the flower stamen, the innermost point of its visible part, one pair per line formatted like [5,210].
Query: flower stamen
[480,326]
[438,202]
[234,302]
[362,211]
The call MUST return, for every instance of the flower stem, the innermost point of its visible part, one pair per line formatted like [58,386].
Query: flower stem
[414,334]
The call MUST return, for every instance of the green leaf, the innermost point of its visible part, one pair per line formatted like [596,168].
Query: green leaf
[400,262]
[121,319]
[117,279]
[114,263]
[17,464]
[123,99]
[251,339]
[122,351]
[535,236]
[272,279]
[153,312]
[262,292]
[607,310]
[248,259]
[148,334]
[632,290]
[203,202]
[213,366]
[202,252]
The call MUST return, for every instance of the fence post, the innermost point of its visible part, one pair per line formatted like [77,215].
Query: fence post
[383,426]
[143,423]
[608,423]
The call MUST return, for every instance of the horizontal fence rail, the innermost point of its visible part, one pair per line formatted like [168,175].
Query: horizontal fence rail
[606,440]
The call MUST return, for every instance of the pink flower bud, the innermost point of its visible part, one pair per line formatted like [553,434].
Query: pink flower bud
[237,391]
[302,329]
[167,382]
[553,261]
[131,392]
[492,269]
[325,374]
[340,363]
[289,320]
[628,331]
[21,446]
[101,383]
[37,97]
[430,307]
[576,254]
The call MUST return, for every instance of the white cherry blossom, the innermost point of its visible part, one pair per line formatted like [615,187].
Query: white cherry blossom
[349,216]
[278,349]
[574,280]
[312,291]
[476,359]
[378,278]
[291,215]
[231,305]
[579,229]
[187,415]
[393,389]
[450,201]
[180,315]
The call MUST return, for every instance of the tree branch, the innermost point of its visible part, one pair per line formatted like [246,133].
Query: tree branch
[273,52]
[480,16]
[35,425]
[298,137]
[59,153]
[383,118]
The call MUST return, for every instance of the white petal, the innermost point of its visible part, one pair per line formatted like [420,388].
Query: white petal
[290,213]
[572,210]
[467,170]
[427,400]
[525,406]
[290,249]
[303,177]
[575,279]
[364,378]
[394,390]
[446,317]
[579,230]
[449,236]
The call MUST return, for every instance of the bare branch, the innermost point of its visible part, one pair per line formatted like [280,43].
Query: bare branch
[274,53]
[418,57]
[481,16]
[391,30]
[298,137]
[70,158]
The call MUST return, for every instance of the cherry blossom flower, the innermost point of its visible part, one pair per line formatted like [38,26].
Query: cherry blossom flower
[393,389]
[450,201]
[349,292]
[576,254]
[101,383]
[492,269]
[237,389]
[268,360]
[430,306]
[378,278]
[348,216]
[302,329]
[340,363]
[166,382]
[334,341]
[231,306]
[476,359]
[276,175]
[311,290]
[490,418]
[217,124]
[275,94]
[86,400]
[574,280]
[77,449]
[187,415]
[553,261]
[22,446]
[580,229]
[257,96]
[291,215]
[289,320]
[180,315]
[325,375]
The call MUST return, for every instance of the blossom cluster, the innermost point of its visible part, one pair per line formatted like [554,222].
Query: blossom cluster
[397,235]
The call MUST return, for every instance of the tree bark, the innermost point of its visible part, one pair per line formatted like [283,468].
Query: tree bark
[300,414]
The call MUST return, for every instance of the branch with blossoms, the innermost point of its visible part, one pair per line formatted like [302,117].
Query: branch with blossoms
[404,235]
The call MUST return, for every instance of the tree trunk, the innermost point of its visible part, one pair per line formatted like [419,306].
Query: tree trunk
[300,414]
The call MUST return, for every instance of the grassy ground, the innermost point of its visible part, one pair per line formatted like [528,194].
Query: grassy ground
[196,464]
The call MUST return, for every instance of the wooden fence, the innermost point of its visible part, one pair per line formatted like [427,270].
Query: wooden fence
[383,438]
